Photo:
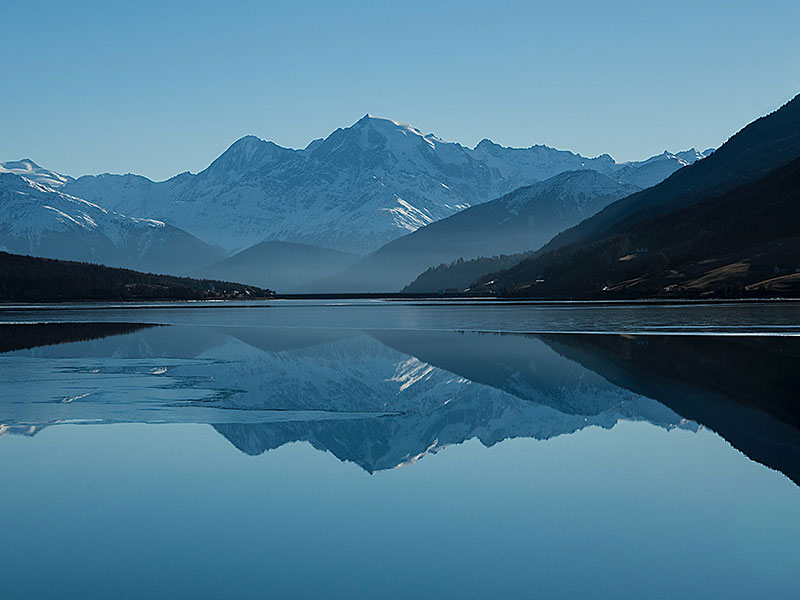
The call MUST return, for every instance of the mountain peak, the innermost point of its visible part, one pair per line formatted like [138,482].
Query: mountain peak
[246,143]
[365,120]
[369,118]
[487,143]
[251,144]
[30,170]
[384,124]
[248,153]
[24,163]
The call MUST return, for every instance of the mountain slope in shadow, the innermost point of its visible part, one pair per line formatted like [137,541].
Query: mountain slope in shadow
[281,266]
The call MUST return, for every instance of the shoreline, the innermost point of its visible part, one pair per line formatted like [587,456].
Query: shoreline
[421,299]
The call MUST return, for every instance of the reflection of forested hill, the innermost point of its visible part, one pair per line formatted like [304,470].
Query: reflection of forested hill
[30,335]
[520,365]
[743,388]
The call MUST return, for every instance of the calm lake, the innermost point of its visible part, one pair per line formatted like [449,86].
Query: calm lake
[382,449]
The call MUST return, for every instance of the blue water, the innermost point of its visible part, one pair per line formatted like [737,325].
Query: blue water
[742,316]
[400,450]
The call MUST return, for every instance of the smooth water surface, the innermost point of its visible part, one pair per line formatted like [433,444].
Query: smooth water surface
[400,450]
[522,317]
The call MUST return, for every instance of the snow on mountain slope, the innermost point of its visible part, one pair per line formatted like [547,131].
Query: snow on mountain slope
[129,193]
[654,170]
[521,166]
[33,172]
[39,221]
[355,190]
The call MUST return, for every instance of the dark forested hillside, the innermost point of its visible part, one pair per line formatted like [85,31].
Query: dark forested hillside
[459,275]
[761,147]
[29,279]
[742,243]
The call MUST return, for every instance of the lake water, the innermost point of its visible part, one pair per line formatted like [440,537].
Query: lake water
[400,450]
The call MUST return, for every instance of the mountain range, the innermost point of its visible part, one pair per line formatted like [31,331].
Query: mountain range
[354,191]
[429,215]
[39,221]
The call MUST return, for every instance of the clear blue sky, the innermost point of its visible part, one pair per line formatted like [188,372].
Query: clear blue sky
[156,88]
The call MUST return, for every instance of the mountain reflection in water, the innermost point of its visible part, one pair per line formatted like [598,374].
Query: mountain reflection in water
[385,398]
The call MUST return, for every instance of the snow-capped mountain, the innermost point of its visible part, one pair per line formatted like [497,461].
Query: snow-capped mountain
[520,221]
[40,221]
[33,172]
[522,166]
[355,190]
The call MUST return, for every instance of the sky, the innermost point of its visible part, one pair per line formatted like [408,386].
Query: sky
[159,88]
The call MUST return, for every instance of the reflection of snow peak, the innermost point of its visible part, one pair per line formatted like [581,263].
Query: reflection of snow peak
[73,398]
[411,371]
[376,402]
